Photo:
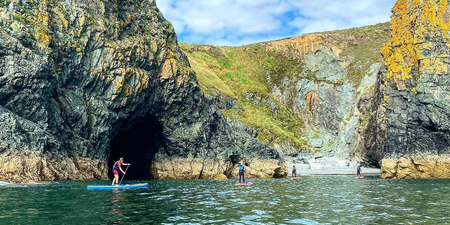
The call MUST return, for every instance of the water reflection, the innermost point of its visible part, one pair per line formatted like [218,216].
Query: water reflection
[116,210]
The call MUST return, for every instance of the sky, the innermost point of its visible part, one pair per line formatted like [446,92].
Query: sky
[240,22]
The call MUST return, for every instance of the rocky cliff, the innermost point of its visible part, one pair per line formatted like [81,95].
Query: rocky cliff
[417,93]
[305,95]
[333,93]
[85,82]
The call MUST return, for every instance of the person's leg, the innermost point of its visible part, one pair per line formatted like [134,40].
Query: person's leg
[240,175]
[116,178]
[243,177]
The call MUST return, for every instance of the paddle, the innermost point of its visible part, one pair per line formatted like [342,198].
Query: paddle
[124,175]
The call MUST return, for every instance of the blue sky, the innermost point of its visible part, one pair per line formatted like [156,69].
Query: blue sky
[239,22]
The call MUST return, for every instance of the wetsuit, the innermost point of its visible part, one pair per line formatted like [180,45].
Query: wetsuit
[358,171]
[241,173]
[294,172]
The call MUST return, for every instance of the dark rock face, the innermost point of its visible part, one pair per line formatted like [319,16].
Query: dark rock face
[374,136]
[88,81]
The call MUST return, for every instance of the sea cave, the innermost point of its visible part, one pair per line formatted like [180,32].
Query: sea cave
[138,145]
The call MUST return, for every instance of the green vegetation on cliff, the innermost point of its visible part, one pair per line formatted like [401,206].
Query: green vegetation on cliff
[237,72]
[255,73]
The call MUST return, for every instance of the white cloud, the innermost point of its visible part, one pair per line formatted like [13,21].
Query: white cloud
[237,22]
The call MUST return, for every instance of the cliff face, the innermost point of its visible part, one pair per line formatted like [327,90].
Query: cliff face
[85,82]
[301,95]
[416,97]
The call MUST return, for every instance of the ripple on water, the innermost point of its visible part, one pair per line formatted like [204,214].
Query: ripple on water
[177,218]
[301,221]
[250,217]
[161,197]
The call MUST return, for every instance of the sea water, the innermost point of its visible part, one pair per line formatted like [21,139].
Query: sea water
[309,200]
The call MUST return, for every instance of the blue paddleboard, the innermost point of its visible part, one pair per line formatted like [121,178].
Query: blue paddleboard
[124,186]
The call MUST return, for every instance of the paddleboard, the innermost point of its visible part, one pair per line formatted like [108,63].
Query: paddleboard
[295,178]
[124,186]
[244,184]
[361,177]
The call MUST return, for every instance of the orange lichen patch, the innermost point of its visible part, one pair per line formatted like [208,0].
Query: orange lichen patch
[296,46]
[169,68]
[111,48]
[312,101]
[183,77]
[418,27]
[81,20]
[129,81]
[166,70]
[143,79]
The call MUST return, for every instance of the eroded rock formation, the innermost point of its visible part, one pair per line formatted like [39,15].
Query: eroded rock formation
[85,82]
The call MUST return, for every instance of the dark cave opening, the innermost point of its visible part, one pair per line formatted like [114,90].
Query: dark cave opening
[138,146]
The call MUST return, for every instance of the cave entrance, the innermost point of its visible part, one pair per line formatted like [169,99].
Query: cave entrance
[138,145]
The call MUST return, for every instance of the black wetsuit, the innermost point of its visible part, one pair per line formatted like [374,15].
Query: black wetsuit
[358,171]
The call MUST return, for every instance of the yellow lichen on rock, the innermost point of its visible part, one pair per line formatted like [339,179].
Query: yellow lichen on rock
[415,23]
[169,67]
[166,70]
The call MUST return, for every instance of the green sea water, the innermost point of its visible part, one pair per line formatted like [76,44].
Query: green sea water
[310,200]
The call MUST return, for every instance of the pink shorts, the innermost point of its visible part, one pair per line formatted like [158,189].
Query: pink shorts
[115,172]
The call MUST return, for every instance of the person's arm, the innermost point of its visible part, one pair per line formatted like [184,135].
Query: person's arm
[126,164]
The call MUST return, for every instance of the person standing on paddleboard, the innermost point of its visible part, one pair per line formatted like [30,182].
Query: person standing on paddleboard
[358,170]
[241,173]
[116,167]
[294,171]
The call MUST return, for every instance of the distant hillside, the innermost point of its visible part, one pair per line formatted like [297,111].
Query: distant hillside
[297,93]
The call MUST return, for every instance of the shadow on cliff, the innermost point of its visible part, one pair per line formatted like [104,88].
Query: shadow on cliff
[138,145]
